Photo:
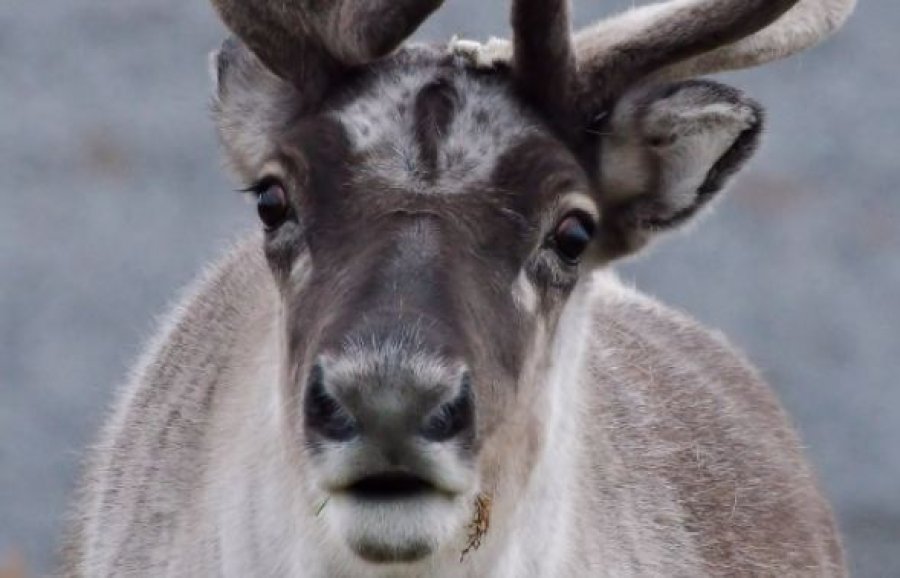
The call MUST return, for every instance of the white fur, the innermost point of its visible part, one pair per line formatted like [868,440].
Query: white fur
[545,519]
[381,126]
[524,293]
[675,142]
[496,51]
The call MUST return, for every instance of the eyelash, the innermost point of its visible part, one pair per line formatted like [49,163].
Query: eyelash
[259,187]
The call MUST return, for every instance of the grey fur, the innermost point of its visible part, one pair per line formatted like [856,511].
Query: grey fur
[419,277]
[687,467]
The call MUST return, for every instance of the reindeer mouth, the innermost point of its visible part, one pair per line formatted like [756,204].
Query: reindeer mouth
[390,486]
[396,516]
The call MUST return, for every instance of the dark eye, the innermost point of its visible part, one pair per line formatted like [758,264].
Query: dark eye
[572,236]
[271,204]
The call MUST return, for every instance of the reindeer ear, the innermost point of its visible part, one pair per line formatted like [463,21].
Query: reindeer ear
[665,153]
[250,105]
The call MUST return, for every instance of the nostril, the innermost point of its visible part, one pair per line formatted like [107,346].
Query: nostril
[452,418]
[324,414]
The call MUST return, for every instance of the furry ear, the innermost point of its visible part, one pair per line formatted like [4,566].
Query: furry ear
[250,105]
[665,152]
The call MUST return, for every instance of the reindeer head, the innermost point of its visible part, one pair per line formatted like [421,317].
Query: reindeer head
[431,211]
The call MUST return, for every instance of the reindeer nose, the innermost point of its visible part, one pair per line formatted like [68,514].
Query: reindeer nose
[386,413]
[453,418]
[324,413]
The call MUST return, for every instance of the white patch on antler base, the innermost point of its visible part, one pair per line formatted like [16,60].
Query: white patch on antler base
[486,122]
[488,55]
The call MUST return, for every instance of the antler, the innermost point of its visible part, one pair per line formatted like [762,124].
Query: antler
[804,26]
[683,38]
[308,41]
[300,39]
[543,53]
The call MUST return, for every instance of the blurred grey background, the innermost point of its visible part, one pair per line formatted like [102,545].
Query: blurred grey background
[112,198]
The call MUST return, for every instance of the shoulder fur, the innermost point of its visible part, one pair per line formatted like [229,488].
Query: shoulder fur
[156,429]
[692,451]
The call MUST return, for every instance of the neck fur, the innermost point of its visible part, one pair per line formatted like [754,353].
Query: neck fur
[530,523]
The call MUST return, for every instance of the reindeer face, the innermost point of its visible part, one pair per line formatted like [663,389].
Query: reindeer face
[425,230]
[430,212]
[426,226]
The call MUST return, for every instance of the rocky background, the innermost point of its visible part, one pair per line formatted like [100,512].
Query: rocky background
[112,197]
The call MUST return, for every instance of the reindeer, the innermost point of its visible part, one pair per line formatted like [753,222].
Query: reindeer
[423,366]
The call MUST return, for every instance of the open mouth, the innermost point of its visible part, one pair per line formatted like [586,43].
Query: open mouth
[390,486]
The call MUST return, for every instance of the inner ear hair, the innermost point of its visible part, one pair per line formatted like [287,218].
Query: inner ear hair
[666,151]
[249,105]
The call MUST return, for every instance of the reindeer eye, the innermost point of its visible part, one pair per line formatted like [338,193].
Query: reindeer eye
[572,236]
[271,204]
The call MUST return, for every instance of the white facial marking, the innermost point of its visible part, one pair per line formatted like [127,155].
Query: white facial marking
[381,126]
[579,202]
[524,294]
[301,271]
[547,509]
[272,169]
[482,55]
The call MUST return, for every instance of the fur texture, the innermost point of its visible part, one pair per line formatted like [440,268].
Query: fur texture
[197,473]
[662,454]
[667,150]
[424,353]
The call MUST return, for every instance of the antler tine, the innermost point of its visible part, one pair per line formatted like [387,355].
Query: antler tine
[298,39]
[802,27]
[624,49]
[544,55]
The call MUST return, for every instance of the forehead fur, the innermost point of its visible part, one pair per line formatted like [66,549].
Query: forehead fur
[437,125]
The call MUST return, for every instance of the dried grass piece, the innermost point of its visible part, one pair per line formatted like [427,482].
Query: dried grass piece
[480,524]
